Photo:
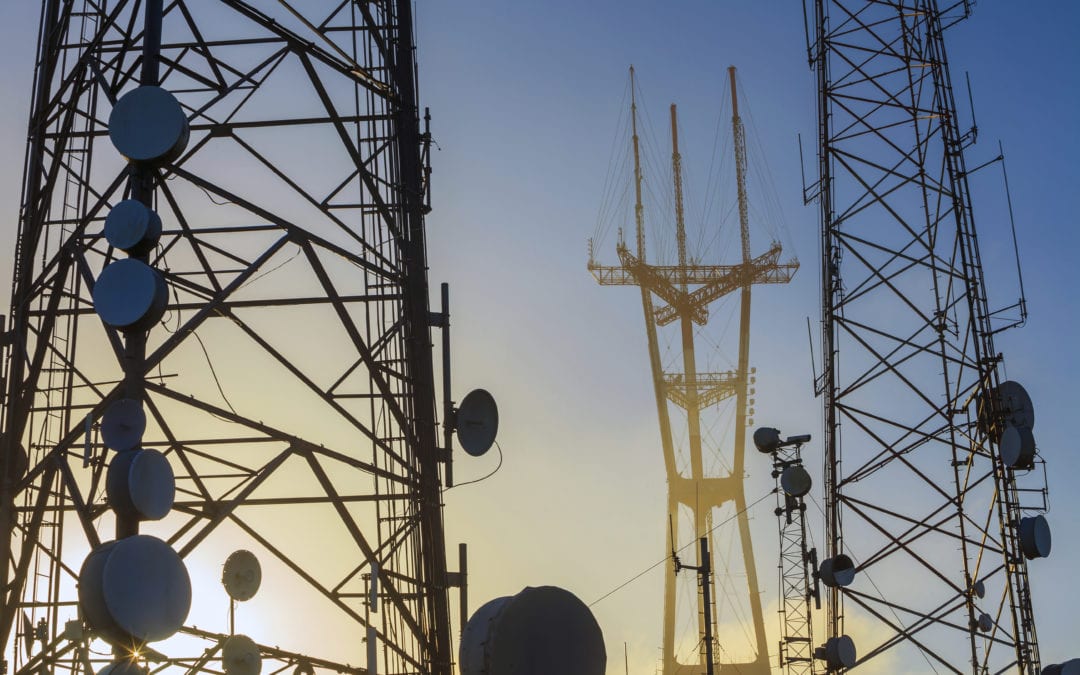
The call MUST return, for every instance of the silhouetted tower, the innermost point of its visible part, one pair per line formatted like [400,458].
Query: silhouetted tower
[220,339]
[929,456]
[793,483]
[685,291]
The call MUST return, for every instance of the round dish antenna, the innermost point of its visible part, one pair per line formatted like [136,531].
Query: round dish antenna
[477,422]
[979,589]
[766,439]
[130,295]
[123,424]
[1017,447]
[133,227]
[147,125]
[796,481]
[1035,537]
[838,652]
[241,656]
[241,575]
[547,628]
[1016,404]
[135,590]
[838,571]
[1070,667]
[141,483]
[19,463]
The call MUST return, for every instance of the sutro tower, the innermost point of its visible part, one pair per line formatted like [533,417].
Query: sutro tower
[220,339]
[685,291]
[934,488]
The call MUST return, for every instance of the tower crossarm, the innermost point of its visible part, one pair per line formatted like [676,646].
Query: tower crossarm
[646,276]
[711,388]
[763,269]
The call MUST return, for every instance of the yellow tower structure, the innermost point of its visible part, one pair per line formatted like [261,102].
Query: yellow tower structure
[684,292]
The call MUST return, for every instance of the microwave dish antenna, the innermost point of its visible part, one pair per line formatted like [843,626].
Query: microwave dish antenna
[477,422]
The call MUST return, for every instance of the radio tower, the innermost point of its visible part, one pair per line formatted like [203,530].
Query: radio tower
[934,489]
[685,291]
[221,262]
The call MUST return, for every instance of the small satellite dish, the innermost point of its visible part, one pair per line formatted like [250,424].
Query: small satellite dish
[1035,537]
[148,125]
[141,483]
[27,633]
[1070,667]
[986,622]
[241,575]
[979,589]
[767,440]
[130,295]
[1017,447]
[135,590]
[123,424]
[838,652]
[241,656]
[838,571]
[1016,404]
[795,481]
[19,463]
[133,227]
[477,422]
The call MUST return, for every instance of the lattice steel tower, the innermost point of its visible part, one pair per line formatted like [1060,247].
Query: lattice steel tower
[933,485]
[686,290]
[289,381]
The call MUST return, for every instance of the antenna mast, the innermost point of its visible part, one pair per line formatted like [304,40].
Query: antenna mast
[930,465]
[685,291]
[246,256]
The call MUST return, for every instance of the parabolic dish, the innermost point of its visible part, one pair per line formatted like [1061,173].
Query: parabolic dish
[241,656]
[18,463]
[135,590]
[1017,447]
[1019,410]
[477,422]
[838,571]
[539,631]
[1070,667]
[840,652]
[133,227]
[241,575]
[123,424]
[796,481]
[1035,539]
[141,483]
[148,125]
[766,440]
[130,295]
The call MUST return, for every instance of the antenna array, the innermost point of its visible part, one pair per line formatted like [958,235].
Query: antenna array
[180,155]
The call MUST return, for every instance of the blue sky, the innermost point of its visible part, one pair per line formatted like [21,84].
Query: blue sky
[525,99]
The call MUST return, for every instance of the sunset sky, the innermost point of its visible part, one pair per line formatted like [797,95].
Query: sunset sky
[526,100]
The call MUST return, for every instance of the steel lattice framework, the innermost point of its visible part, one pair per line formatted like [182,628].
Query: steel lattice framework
[796,646]
[917,495]
[296,407]
[685,292]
